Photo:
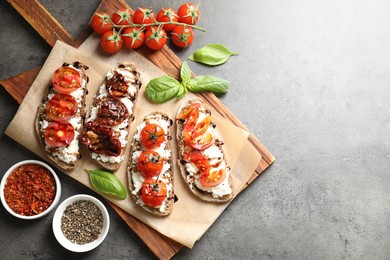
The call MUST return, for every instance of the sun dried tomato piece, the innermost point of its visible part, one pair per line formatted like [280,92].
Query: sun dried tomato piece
[101,139]
[117,86]
[111,112]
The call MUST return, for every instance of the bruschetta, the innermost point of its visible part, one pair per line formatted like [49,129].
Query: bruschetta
[107,124]
[201,158]
[59,119]
[150,166]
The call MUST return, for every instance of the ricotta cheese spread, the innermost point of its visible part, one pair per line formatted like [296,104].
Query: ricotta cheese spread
[69,153]
[215,157]
[166,172]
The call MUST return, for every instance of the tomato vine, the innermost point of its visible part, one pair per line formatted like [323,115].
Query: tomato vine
[144,27]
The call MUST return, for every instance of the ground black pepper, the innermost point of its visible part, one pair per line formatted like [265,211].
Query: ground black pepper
[82,222]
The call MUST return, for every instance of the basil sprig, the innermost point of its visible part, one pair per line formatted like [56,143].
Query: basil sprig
[203,83]
[185,72]
[162,89]
[107,183]
[212,54]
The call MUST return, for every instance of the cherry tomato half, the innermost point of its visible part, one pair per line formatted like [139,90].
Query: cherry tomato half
[200,162]
[152,136]
[187,137]
[167,15]
[66,79]
[153,192]
[150,164]
[191,120]
[188,13]
[59,134]
[111,42]
[61,107]
[187,110]
[144,16]
[155,38]
[182,36]
[202,142]
[133,37]
[201,127]
[187,151]
[213,178]
[121,17]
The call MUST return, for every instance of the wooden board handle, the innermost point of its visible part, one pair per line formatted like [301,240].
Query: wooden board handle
[42,21]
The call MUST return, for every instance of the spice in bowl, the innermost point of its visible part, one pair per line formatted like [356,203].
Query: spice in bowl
[82,222]
[30,189]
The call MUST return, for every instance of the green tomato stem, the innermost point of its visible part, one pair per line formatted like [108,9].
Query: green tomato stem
[158,24]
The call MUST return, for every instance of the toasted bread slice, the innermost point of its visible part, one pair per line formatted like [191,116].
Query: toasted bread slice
[65,157]
[136,178]
[124,73]
[216,189]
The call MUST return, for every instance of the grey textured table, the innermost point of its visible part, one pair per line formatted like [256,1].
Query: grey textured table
[311,82]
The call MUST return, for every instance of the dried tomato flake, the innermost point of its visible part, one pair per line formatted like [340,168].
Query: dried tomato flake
[30,189]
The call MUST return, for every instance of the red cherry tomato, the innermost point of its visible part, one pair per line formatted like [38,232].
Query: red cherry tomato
[101,23]
[59,134]
[182,36]
[200,162]
[188,13]
[66,79]
[186,152]
[187,110]
[201,127]
[191,120]
[213,178]
[153,192]
[187,137]
[61,107]
[133,37]
[202,142]
[111,42]
[167,15]
[155,38]
[150,164]
[152,136]
[144,16]
[121,17]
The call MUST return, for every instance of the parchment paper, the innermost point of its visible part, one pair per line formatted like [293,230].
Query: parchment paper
[191,217]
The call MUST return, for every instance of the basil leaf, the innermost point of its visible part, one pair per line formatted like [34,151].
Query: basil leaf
[185,72]
[107,183]
[212,54]
[162,89]
[208,83]
[182,91]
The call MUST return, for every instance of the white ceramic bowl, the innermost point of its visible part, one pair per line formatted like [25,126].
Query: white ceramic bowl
[57,224]
[49,209]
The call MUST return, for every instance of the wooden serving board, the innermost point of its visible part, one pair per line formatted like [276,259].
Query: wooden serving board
[51,30]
